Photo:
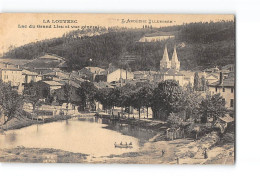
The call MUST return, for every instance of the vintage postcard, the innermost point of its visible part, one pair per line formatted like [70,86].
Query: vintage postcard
[117,88]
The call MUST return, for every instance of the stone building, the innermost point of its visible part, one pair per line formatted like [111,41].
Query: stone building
[226,88]
[169,69]
[12,74]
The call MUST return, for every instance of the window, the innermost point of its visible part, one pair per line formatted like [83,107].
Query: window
[232,90]
[223,89]
[216,89]
[231,103]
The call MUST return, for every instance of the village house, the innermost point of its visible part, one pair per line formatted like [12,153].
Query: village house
[139,75]
[144,75]
[47,88]
[114,74]
[56,75]
[226,88]
[73,93]
[229,67]
[118,75]
[169,74]
[188,77]
[90,73]
[29,76]
[212,70]
[12,74]
[212,77]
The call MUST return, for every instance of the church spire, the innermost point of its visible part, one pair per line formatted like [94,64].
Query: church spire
[175,61]
[165,62]
[165,55]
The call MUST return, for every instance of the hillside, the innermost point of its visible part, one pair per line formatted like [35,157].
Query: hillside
[199,46]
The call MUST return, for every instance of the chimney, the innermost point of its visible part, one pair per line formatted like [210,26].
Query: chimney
[220,78]
[6,65]
[18,66]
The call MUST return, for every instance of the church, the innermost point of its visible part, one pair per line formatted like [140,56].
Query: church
[174,63]
[169,69]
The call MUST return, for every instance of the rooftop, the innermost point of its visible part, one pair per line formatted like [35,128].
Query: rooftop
[170,71]
[27,72]
[59,74]
[53,83]
[91,70]
[9,67]
[228,82]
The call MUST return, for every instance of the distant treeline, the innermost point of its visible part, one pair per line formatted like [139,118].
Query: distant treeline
[199,45]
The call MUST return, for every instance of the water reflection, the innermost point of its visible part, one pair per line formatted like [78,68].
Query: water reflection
[90,135]
[11,138]
[130,130]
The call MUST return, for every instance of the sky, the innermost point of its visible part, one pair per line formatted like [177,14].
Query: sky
[16,28]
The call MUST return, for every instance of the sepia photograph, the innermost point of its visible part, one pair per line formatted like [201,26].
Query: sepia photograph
[118,88]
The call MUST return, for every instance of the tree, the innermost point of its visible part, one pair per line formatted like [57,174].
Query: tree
[114,98]
[202,38]
[31,94]
[10,101]
[204,86]
[192,100]
[196,84]
[168,97]
[145,95]
[138,101]
[67,93]
[212,106]
[87,91]
[103,97]
[127,96]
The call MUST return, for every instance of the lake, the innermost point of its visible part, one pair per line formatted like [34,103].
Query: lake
[94,136]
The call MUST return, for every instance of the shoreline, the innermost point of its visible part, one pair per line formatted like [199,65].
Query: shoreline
[22,122]
[187,151]
[145,123]
[40,155]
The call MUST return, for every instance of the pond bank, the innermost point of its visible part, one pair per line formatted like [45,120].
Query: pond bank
[187,151]
[36,155]
[147,123]
[16,123]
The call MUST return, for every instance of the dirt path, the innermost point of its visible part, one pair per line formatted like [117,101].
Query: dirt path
[181,151]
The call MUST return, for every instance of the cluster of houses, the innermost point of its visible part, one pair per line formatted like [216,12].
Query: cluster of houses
[47,72]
